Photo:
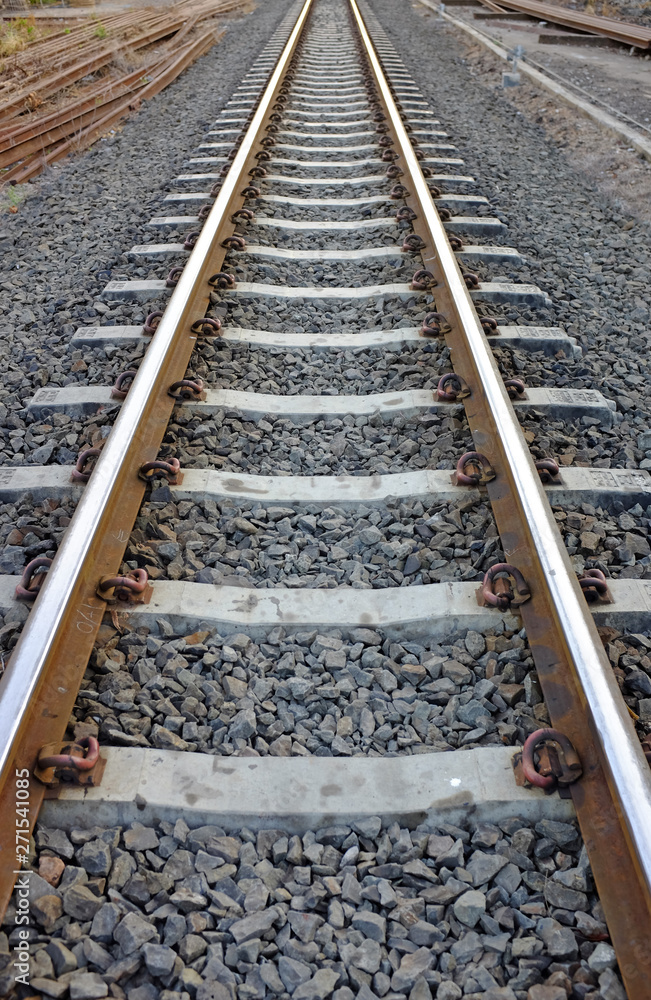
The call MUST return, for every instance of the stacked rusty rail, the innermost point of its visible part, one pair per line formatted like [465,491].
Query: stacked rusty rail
[45,77]
[619,31]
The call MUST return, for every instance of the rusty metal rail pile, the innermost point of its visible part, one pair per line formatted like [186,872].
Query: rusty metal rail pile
[46,111]
[612,788]
[620,31]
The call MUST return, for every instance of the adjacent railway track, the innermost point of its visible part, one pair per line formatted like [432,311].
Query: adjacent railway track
[325,177]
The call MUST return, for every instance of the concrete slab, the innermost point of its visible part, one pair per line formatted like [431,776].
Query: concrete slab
[436,611]
[488,291]
[600,487]
[565,403]
[546,340]
[300,794]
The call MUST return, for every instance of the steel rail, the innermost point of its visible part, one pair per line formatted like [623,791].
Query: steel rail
[613,799]
[40,684]
[619,31]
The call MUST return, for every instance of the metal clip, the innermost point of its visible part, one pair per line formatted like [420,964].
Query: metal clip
[496,589]
[77,763]
[558,763]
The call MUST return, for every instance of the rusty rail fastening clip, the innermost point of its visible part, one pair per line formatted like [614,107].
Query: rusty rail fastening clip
[595,586]
[186,389]
[173,277]
[234,243]
[250,191]
[118,392]
[222,280]
[151,323]
[434,325]
[515,387]
[412,243]
[190,241]
[242,215]
[475,460]
[471,280]
[392,172]
[496,588]
[127,589]
[405,214]
[77,762]
[456,243]
[31,581]
[489,326]
[422,280]
[79,473]
[398,191]
[558,761]
[170,469]
[548,470]
[209,326]
[452,387]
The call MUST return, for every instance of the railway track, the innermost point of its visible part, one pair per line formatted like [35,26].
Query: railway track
[273,560]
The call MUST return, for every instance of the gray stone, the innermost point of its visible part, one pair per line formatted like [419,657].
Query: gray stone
[484,867]
[412,966]
[318,987]
[565,899]
[253,926]
[424,933]
[270,977]
[610,986]
[140,838]
[214,991]
[559,941]
[159,959]
[420,990]
[96,955]
[304,925]
[133,932]
[372,925]
[87,986]
[54,840]
[466,947]
[104,922]
[602,958]
[293,973]
[95,857]
[469,907]
[366,956]
[475,644]
[82,904]
[448,991]
[62,958]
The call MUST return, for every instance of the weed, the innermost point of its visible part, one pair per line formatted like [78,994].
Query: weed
[13,196]
[14,35]
[100,31]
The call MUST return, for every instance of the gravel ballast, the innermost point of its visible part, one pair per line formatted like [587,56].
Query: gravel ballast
[488,912]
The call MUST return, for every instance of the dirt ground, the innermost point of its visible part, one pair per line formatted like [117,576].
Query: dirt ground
[623,81]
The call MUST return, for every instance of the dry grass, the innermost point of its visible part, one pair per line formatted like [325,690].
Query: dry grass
[17,34]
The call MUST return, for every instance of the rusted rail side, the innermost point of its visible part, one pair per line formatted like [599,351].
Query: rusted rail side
[619,31]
